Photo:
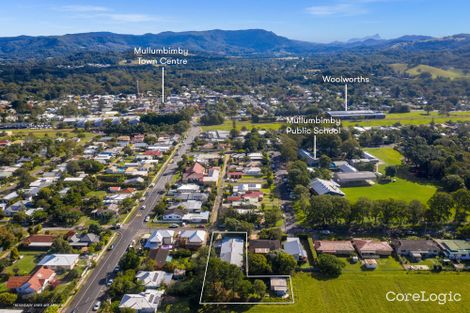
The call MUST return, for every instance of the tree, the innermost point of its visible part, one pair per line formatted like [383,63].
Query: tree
[361,210]
[14,254]
[8,298]
[463,232]
[233,224]
[258,264]
[298,174]
[60,245]
[440,207]
[271,233]
[282,263]
[452,183]
[416,212]
[272,216]
[325,161]
[391,171]
[124,283]
[259,288]
[329,265]
[130,260]
[462,204]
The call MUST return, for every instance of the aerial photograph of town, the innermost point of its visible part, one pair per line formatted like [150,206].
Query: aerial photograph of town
[310,156]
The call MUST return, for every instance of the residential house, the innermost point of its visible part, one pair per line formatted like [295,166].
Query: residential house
[38,241]
[194,174]
[82,240]
[255,156]
[253,171]
[159,238]
[416,249]
[338,247]
[212,176]
[264,246]
[193,238]
[199,196]
[234,175]
[152,279]
[144,302]
[200,217]
[59,261]
[278,286]
[242,188]
[367,248]
[32,284]
[455,249]
[293,247]
[161,256]
[231,251]
[188,188]
[173,215]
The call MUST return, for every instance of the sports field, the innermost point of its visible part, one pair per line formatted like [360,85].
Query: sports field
[401,189]
[387,155]
[365,292]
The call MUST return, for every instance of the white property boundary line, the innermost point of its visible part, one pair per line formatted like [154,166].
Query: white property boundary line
[247,274]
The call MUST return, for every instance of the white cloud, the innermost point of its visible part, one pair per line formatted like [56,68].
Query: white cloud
[105,14]
[84,8]
[337,9]
[344,7]
[131,18]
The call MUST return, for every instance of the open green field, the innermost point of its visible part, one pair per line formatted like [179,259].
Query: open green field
[387,155]
[227,125]
[365,293]
[412,118]
[434,71]
[400,189]
[417,117]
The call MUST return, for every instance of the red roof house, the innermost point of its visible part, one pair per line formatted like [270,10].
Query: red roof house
[32,284]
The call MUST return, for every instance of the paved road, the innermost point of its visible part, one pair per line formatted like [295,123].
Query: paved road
[92,290]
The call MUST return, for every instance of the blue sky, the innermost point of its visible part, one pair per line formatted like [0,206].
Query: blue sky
[313,20]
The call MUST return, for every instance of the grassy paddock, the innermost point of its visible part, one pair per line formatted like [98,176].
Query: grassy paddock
[365,293]
[411,118]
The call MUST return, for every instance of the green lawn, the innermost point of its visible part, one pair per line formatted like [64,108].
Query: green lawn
[412,118]
[400,189]
[365,293]
[387,155]
[98,193]
[26,264]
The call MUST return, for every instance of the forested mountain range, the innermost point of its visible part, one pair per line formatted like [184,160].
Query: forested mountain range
[219,42]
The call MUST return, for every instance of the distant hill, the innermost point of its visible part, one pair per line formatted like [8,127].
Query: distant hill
[215,42]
